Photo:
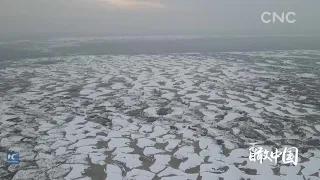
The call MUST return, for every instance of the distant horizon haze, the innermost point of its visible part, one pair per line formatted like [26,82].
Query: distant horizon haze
[19,18]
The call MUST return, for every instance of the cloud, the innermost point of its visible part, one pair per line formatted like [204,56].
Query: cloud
[134,4]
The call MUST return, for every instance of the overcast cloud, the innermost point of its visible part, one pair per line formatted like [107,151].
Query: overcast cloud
[196,17]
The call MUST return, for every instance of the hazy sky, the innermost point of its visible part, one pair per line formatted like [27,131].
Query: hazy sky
[131,17]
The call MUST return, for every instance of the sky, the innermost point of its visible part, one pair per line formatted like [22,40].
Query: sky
[149,17]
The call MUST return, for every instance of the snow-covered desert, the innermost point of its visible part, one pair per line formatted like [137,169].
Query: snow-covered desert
[173,116]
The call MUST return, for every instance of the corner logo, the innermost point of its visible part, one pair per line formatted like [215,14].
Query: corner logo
[13,157]
[284,17]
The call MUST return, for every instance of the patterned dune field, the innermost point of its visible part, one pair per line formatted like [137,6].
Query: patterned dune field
[148,117]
